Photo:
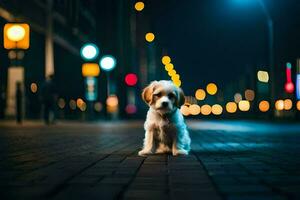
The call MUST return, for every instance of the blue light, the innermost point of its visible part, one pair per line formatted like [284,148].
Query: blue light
[298,87]
[108,63]
[89,51]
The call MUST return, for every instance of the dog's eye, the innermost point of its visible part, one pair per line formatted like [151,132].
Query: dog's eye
[157,94]
[171,95]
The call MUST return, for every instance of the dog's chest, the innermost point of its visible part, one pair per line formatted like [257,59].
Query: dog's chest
[164,131]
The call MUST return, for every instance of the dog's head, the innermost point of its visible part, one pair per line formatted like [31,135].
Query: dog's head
[163,96]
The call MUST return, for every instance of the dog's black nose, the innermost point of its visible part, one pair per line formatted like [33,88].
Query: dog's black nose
[164,104]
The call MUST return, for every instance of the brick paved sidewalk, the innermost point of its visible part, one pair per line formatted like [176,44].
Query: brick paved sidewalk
[94,161]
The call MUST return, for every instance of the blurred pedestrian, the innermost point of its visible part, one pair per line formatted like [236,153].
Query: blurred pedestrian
[48,97]
[19,102]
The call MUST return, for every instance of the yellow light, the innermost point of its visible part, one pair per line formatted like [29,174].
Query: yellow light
[177,83]
[112,101]
[249,95]
[169,67]
[16,36]
[72,104]
[244,105]
[149,37]
[217,109]
[264,106]
[298,105]
[165,60]
[211,88]
[90,69]
[200,94]
[205,109]
[33,87]
[79,102]
[172,72]
[83,107]
[288,104]
[231,107]
[185,110]
[194,109]
[175,77]
[263,76]
[139,6]
[15,33]
[98,106]
[61,103]
[237,97]
[279,104]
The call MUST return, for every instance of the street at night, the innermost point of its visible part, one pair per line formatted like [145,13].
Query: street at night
[229,160]
[150,99]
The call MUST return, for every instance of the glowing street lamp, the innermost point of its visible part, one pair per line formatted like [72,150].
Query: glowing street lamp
[139,6]
[16,36]
[89,51]
[108,63]
[289,85]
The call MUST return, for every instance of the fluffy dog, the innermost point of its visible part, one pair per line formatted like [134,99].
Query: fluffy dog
[166,131]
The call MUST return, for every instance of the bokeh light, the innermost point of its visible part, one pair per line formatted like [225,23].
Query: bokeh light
[131,109]
[177,83]
[139,6]
[288,104]
[175,77]
[89,51]
[298,105]
[264,106]
[112,101]
[194,109]
[200,94]
[169,67]
[16,33]
[149,37]
[72,104]
[172,72]
[217,109]
[33,87]
[211,88]
[131,79]
[98,106]
[61,103]
[165,60]
[90,69]
[279,104]
[205,109]
[231,107]
[244,105]
[263,76]
[238,97]
[249,95]
[108,63]
[185,110]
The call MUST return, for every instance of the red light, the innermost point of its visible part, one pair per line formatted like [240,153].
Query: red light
[289,87]
[130,109]
[131,79]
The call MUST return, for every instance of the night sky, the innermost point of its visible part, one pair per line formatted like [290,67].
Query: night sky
[220,40]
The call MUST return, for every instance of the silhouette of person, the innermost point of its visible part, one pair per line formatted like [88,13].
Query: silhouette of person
[48,97]
[19,106]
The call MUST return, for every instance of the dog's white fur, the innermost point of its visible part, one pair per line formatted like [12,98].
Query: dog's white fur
[165,129]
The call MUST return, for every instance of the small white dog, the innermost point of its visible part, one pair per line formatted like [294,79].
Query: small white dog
[165,128]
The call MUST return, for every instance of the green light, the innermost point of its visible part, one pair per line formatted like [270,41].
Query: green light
[289,65]
[89,51]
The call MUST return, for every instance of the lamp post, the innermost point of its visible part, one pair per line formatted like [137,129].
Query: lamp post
[90,71]
[108,63]
[16,37]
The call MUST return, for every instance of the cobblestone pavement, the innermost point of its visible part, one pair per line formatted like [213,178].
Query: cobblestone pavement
[229,160]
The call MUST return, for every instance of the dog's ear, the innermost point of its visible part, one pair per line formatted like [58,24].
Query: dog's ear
[180,97]
[147,92]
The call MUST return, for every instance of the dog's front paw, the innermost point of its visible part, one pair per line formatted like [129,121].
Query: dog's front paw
[144,152]
[177,152]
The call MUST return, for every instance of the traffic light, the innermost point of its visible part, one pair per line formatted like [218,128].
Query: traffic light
[16,36]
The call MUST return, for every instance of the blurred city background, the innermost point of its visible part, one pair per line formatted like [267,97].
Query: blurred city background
[89,60]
